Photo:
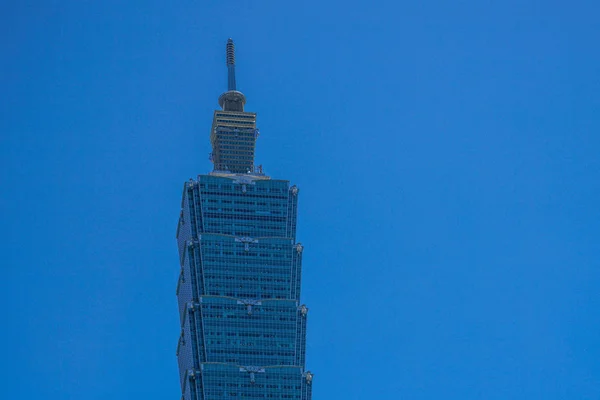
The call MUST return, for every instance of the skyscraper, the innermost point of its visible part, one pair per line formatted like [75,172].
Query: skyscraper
[243,328]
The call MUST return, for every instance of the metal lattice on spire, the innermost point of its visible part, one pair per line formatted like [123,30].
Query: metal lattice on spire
[230,61]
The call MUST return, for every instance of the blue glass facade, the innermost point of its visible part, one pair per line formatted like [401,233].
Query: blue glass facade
[243,327]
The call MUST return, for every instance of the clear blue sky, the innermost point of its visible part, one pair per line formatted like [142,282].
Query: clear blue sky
[447,153]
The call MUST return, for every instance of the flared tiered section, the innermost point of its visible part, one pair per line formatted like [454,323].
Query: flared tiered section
[243,327]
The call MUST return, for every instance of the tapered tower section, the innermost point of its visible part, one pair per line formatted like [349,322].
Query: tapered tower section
[243,326]
[233,134]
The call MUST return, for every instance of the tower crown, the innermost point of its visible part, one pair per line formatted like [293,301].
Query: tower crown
[233,134]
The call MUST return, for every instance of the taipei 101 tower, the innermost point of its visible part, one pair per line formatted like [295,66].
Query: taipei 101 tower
[243,327]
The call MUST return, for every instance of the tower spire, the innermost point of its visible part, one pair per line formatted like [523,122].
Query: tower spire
[230,61]
[231,100]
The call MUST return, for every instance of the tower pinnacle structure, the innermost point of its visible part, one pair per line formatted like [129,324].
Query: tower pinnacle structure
[231,100]
[230,60]
[243,327]
[233,135]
